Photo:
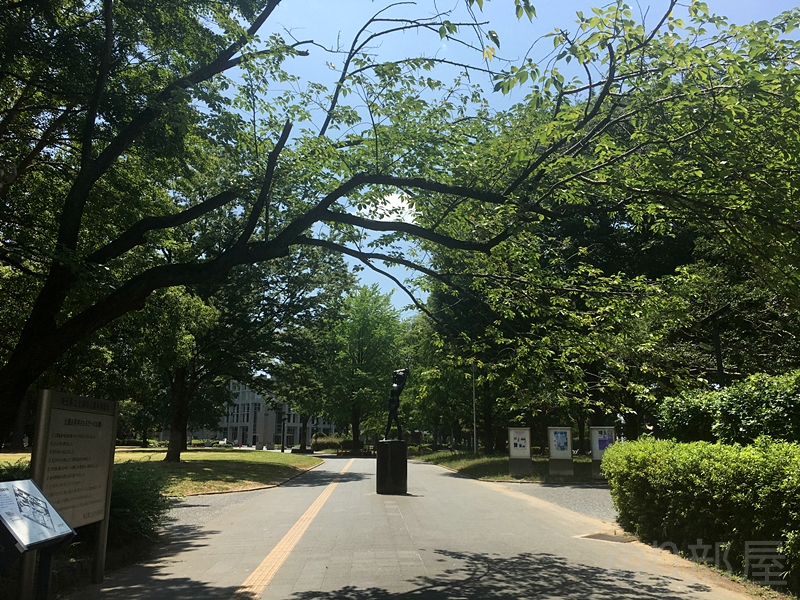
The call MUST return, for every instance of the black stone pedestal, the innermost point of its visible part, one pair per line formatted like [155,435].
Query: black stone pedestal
[392,467]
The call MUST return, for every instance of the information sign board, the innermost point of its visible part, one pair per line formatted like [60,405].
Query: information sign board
[560,442]
[519,442]
[73,454]
[602,438]
[28,515]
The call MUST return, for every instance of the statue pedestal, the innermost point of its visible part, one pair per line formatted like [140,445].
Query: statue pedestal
[392,467]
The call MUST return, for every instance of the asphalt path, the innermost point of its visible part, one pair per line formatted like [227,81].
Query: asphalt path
[327,534]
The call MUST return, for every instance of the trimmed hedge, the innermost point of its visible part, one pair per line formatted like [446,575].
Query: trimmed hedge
[331,443]
[667,491]
[761,405]
[689,417]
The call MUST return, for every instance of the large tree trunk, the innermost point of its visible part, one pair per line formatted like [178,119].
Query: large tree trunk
[18,435]
[488,429]
[42,342]
[501,442]
[436,420]
[13,387]
[180,393]
[632,422]
[355,421]
[487,411]
[303,432]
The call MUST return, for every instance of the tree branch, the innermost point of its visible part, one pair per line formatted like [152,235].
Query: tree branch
[266,188]
[417,231]
[100,85]
[134,235]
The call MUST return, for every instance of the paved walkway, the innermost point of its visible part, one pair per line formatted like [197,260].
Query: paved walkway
[328,535]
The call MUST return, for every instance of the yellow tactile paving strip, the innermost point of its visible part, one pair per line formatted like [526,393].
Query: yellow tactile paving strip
[259,579]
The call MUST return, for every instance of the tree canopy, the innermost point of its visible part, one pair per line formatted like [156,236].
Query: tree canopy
[149,149]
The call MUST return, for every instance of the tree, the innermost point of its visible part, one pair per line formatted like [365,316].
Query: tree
[128,166]
[304,349]
[367,338]
[199,341]
[143,175]
[302,373]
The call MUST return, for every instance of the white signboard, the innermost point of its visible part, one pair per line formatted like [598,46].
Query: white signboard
[519,442]
[78,450]
[28,515]
[602,438]
[560,442]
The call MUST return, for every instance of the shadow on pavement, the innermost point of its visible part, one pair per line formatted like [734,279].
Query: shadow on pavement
[150,580]
[541,576]
[322,478]
[176,588]
[585,485]
[582,485]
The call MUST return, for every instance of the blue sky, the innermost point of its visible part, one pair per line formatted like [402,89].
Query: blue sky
[326,21]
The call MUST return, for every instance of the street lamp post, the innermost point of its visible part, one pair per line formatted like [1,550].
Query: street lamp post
[474,418]
[280,419]
[283,433]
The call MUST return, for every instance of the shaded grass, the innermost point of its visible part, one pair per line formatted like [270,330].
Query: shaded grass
[495,468]
[204,471]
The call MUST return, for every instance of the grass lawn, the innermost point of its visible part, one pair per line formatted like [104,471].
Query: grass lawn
[203,471]
[495,468]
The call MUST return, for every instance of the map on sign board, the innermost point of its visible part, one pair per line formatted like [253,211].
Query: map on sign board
[560,441]
[28,515]
[604,439]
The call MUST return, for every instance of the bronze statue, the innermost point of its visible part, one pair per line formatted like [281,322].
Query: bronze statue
[399,378]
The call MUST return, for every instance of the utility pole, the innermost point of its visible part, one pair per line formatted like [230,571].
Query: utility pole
[474,419]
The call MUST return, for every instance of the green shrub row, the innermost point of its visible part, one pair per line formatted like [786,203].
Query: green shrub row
[759,405]
[331,443]
[670,492]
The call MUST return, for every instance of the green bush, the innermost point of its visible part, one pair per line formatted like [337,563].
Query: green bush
[761,405]
[330,443]
[15,471]
[129,442]
[689,417]
[667,491]
[138,503]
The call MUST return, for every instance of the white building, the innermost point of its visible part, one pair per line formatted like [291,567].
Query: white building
[255,421]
